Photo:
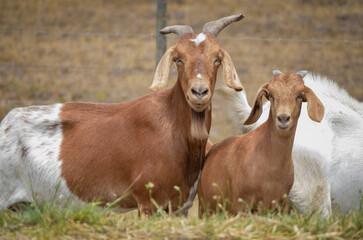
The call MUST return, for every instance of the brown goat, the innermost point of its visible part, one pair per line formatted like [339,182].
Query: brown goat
[243,171]
[102,151]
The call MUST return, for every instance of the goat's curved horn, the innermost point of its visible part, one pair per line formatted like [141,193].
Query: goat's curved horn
[215,27]
[180,30]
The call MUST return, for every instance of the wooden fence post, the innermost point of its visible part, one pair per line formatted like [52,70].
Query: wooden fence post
[160,23]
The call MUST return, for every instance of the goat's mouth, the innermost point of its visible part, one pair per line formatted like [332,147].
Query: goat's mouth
[283,126]
[198,106]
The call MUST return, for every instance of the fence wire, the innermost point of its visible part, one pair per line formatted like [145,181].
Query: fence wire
[149,36]
[138,35]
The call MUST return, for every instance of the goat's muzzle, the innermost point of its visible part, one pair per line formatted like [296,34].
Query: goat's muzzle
[199,96]
[200,91]
[283,121]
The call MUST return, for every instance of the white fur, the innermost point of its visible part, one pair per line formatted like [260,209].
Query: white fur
[199,39]
[199,76]
[30,141]
[328,156]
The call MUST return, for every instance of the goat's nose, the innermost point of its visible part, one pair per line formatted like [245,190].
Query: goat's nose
[283,118]
[200,91]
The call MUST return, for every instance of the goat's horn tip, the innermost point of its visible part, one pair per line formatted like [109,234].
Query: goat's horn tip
[302,73]
[275,72]
[164,31]
[240,17]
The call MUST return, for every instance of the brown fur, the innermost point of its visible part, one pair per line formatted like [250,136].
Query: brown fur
[108,147]
[257,167]
[198,129]
[208,147]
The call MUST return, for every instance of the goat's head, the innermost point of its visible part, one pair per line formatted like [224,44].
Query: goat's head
[286,94]
[197,58]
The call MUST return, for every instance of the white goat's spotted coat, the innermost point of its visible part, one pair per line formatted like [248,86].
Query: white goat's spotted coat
[30,140]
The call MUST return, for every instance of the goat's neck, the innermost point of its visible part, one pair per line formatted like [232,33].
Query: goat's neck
[277,145]
[182,114]
[187,118]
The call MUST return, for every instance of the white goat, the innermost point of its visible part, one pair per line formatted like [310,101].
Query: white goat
[328,157]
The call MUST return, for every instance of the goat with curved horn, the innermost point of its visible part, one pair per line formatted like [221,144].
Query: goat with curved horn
[215,27]
[93,151]
[180,30]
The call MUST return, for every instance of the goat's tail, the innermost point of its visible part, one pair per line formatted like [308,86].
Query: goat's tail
[237,101]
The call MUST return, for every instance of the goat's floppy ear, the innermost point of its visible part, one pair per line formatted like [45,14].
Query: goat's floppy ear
[230,73]
[257,105]
[315,107]
[161,76]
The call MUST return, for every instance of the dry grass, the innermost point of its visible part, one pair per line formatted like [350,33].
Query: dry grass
[49,221]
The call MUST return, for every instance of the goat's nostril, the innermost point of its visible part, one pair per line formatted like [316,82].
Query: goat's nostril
[283,118]
[200,91]
[194,92]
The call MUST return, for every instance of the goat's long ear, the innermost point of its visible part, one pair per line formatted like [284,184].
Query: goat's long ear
[230,73]
[315,107]
[257,105]
[161,76]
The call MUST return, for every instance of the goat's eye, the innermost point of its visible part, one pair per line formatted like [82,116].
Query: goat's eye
[217,61]
[178,61]
[298,98]
[271,98]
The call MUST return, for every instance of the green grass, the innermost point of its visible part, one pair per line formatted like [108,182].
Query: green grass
[51,221]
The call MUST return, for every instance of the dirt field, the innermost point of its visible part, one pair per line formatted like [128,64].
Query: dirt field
[104,50]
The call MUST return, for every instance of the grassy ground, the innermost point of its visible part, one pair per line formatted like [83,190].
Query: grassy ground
[90,222]
[42,62]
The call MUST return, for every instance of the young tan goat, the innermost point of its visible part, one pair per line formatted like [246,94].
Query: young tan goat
[257,167]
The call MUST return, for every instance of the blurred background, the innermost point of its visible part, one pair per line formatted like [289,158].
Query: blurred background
[104,50]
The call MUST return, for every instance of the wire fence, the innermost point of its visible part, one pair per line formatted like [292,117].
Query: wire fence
[96,67]
[138,35]
[153,36]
